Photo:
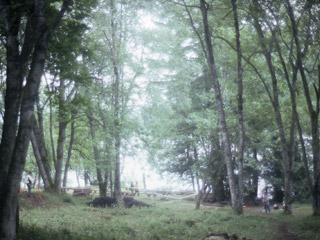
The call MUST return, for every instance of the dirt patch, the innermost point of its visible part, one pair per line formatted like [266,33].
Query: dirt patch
[285,234]
[31,202]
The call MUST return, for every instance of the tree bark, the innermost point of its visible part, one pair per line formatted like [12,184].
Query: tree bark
[61,135]
[108,143]
[255,177]
[313,111]
[287,165]
[39,135]
[219,103]
[200,194]
[38,158]
[111,184]
[241,136]
[14,148]
[72,132]
[99,167]
[51,131]
[117,138]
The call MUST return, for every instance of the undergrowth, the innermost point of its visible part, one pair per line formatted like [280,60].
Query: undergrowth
[71,219]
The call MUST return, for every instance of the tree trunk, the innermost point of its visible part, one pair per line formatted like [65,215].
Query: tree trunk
[219,191]
[106,179]
[219,103]
[313,112]
[198,182]
[67,165]
[200,194]
[13,94]
[196,161]
[241,136]
[144,181]
[61,135]
[287,165]
[51,132]
[193,184]
[111,184]
[37,156]
[13,149]
[99,167]
[9,200]
[39,135]
[255,177]
[86,178]
[117,138]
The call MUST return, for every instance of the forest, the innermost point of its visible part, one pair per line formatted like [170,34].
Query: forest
[222,94]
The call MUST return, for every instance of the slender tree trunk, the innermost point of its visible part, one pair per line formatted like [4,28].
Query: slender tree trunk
[287,165]
[38,158]
[61,135]
[292,90]
[39,135]
[193,184]
[99,167]
[255,175]
[313,112]
[200,194]
[111,184]
[51,133]
[77,177]
[107,146]
[144,181]
[198,182]
[241,143]
[117,174]
[219,103]
[40,150]
[196,160]
[67,165]
[86,178]
[106,179]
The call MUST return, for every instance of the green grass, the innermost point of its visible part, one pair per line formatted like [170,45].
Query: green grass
[66,217]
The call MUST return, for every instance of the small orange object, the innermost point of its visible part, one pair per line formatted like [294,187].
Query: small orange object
[39,192]
[21,191]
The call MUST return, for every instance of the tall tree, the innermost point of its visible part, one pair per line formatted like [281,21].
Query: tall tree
[114,29]
[206,44]
[115,57]
[241,144]
[313,108]
[20,98]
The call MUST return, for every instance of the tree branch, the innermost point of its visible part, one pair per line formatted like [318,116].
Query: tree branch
[59,16]
[251,64]
[185,5]
[196,31]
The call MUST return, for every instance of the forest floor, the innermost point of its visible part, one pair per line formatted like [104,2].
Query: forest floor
[67,217]
[283,227]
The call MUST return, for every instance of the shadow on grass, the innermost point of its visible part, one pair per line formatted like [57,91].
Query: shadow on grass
[34,233]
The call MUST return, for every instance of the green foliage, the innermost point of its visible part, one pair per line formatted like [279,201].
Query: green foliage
[67,199]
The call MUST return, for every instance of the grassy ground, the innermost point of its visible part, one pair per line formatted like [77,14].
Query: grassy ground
[66,217]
